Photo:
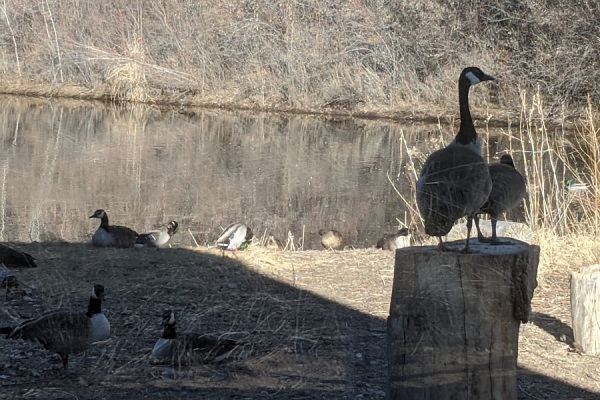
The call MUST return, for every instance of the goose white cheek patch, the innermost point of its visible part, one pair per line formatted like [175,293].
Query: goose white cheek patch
[472,78]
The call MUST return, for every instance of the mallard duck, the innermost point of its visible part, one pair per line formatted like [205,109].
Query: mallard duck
[455,181]
[235,237]
[189,348]
[331,239]
[395,241]
[112,235]
[508,190]
[15,258]
[157,238]
[66,332]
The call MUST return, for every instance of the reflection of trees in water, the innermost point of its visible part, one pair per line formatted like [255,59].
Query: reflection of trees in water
[147,166]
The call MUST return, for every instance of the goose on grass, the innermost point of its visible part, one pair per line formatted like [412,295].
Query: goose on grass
[66,332]
[189,348]
[112,235]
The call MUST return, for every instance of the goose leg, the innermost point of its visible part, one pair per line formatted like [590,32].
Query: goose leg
[495,240]
[467,249]
[480,237]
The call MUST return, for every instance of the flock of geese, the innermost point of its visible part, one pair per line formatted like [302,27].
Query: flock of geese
[455,182]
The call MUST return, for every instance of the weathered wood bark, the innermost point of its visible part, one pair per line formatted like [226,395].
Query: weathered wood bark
[454,321]
[585,309]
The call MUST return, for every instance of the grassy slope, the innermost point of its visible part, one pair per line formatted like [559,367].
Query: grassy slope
[371,57]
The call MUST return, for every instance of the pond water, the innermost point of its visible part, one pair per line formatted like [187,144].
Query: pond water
[280,174]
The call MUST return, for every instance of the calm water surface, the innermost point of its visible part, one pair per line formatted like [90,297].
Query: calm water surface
[285,175]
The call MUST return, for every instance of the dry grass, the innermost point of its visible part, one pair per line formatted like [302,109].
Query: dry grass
[334,56]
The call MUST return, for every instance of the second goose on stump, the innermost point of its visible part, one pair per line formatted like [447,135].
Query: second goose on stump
[508,190]
[455,181]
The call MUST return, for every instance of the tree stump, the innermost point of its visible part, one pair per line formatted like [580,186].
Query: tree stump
[585,309]
[454,320]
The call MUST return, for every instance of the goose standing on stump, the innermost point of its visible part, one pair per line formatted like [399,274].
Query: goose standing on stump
[157,238]
[455,181]
[508,190]
[112,235]
[189,348]
[65,332]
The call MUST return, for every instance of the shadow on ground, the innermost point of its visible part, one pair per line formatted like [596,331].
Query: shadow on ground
[301,345]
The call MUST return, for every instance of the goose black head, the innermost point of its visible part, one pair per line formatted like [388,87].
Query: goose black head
[168,318]
[98,292]
[98,214]
[473,76]
[507,159]
[172,227]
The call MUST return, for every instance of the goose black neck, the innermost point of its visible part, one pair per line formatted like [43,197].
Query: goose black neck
[169,332]
[94,307]
[104,221]
[467,133]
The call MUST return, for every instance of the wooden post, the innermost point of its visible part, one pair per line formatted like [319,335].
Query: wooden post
[585,309]
[454,320]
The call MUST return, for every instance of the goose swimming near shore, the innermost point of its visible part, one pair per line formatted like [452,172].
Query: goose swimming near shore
[455,181]
[158,237]
[508,190]
[66,332]
[112,235]
[189,348]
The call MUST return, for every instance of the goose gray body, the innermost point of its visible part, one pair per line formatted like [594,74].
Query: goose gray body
[395,241]
[159,237]
[508,190]
[235,237]
[15,258]
[189,348]
[331,239]
[66,332]
[455,181]
[112,235]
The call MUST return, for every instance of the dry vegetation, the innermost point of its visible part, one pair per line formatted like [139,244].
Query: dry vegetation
[369,57]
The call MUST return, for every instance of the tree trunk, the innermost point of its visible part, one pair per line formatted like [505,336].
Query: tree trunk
[585,309]
[453,328]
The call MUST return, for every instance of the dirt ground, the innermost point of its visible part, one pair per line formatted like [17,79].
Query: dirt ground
[314,323]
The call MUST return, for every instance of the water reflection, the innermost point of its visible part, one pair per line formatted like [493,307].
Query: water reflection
[144,166]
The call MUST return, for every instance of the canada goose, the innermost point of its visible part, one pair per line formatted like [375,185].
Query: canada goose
[112,235]
[66,332]
[15,259]
[189,348]
[235,237]
[395,241]
[508,190]
[157,238]
[455,181]
[330,239]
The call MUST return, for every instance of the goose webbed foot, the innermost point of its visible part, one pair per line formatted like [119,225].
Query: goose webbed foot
[497,242]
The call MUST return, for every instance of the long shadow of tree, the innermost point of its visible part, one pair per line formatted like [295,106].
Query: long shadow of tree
[300,345]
